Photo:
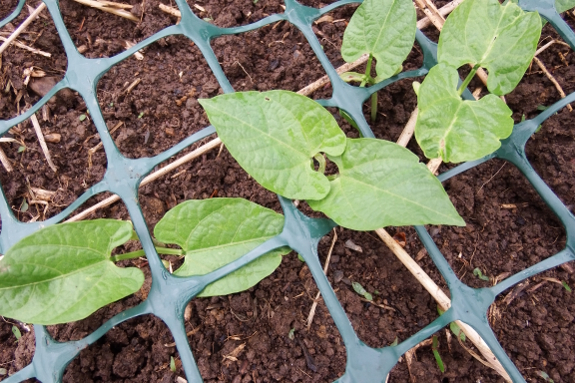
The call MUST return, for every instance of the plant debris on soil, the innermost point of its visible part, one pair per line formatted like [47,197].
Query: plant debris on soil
[260,335]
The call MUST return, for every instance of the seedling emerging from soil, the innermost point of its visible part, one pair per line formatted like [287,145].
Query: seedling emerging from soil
[477,272]
[455,329]
[361,291]
[385,30]
[545,376]
[435,350]
[17,333]
[172,364]
[485,34]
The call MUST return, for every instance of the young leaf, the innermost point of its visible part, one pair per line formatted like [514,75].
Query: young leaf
[358,288]
[63,273]
[16,332]
[500,38]
[384,29]
[274,136]
[381,173]
[172,364]
[215,232]
[477,272]
[458,130]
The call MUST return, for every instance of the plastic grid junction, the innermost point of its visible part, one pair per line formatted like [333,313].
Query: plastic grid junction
[170,294]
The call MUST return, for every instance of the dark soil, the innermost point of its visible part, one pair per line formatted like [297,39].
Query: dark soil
[508,226]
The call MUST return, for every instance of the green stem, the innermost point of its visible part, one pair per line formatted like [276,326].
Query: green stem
[373,107]
[141,253]
[321,160]
[468,79]
[367,72]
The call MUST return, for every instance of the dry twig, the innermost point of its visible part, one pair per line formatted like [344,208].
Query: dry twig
[106,7]
[5,161]
[42,142]
[21,28]
[18,44]
[552,79]
[325,267]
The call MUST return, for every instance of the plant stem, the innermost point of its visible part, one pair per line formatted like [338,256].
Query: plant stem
[467,79]
[321,160]
[373,107]
[367,72]
[141,253]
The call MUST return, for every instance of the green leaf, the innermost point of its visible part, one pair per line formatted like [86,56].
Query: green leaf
[215,232]
[455,329]
[564,5]
[477,272]
[500,38]
[16,332]
[274,136]
[383,28]
[64,273]
[358,288]
[172,364]
[377,173]
[458,130]
[24,207]
[352,77]
[82,117]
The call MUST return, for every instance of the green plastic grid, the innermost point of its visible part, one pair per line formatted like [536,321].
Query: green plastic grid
[170,294]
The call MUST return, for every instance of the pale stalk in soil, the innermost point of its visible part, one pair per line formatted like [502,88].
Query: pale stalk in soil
[21,28]
[26,47]
[42,142]
[103,6]
[325,267]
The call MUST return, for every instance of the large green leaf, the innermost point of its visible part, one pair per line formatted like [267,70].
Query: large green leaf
[217,231]
[274,136]
[63,273]
[500,38]
[383,28]
[458,130]
[383,184]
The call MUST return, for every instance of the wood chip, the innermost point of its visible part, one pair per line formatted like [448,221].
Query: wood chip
[350,245]
[324,19]
[515,293]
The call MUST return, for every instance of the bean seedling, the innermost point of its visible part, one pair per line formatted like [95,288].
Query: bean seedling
[479,274]
[361,291]
[485,34]
[74,273]
[385,30]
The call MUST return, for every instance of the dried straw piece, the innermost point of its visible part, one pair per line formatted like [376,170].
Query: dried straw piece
[103,6]
[21,28]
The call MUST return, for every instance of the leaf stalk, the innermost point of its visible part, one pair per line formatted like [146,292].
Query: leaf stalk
[468,79]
